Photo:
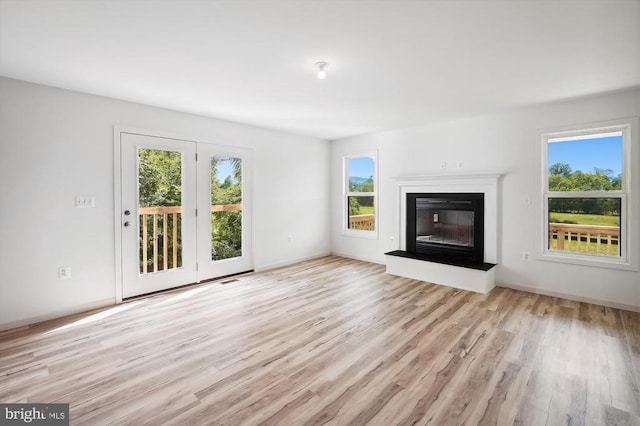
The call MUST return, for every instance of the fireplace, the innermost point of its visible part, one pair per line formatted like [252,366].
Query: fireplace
[447,226]
[441,256]
[473,196]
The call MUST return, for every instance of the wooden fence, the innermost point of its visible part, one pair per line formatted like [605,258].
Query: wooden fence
[363,222]
[149,218]
[585,238]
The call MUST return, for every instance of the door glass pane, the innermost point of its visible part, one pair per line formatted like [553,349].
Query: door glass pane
[160,210]
[585,225]
[226,207]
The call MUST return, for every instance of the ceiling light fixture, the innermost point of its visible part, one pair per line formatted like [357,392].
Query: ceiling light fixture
[322,73]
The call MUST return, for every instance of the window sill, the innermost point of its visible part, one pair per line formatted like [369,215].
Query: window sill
[588,260]
[369,235]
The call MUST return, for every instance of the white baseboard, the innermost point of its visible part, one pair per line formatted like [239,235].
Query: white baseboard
[289,262]
[535,290]
[364,259]
[58,314]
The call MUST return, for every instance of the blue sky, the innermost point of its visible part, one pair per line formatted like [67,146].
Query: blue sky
[361,167]
[585,154]
[224,168]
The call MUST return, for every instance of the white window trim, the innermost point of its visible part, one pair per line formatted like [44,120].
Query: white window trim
[346,193]
[629,195]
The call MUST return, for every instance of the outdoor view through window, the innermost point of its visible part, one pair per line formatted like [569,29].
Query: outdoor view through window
[226,207]
[160,209]
[585,194]
[360,193]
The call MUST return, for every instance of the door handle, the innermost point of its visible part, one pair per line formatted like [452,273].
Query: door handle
[127,224]
[127,212]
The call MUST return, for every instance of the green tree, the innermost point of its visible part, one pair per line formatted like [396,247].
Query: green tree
[616,181]
[560,169]
[366,186]
[226,226]
[580,181]
[159,178]
[160,185]
[560,183]
[354,206]
[563,179]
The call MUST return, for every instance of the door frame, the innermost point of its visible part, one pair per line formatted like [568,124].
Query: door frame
[117,189]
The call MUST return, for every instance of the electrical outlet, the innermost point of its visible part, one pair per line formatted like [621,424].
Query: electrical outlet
[64,272]
[459,164]
[525,256]
[290,239]
[443,165]
[85,201]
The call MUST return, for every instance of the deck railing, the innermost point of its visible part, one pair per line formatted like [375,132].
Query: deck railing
[363,222]
[163,222]
[585,238]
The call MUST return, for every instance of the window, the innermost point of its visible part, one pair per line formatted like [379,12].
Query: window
[360,194]
[585,195]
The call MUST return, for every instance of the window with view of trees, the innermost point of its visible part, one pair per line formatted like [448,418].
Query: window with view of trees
[160,209]
[584,194]
[226,207]
[360,198]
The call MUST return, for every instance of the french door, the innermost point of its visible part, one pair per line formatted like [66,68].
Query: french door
[224,218]
[186,212]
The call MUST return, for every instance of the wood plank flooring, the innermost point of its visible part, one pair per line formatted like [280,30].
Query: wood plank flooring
[332,341]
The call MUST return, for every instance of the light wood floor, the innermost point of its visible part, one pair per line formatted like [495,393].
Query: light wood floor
[333,341]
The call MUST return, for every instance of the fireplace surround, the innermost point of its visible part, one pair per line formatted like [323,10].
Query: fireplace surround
[475,275]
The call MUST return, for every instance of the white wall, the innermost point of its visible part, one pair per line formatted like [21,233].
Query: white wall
[56,144]
[504,143]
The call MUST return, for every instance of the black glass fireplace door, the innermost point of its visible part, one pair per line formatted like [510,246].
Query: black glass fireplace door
[446,225]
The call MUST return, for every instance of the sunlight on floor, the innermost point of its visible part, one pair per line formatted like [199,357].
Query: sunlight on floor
[96,317]
[184,295]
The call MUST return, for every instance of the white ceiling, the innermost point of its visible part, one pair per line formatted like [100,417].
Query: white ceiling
[393,64]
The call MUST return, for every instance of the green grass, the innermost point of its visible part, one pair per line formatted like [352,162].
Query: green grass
[584,219]
[365,210]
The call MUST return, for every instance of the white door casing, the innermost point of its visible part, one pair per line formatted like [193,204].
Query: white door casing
[196,228]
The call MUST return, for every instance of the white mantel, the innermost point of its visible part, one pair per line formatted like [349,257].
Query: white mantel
[453,276]
[453,177]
